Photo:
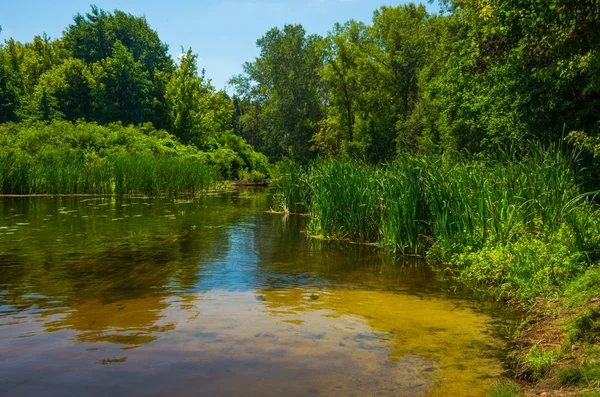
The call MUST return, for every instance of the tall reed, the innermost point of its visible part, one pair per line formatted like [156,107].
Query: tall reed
[414,201]
[293,189]
[125,174]
[344,201]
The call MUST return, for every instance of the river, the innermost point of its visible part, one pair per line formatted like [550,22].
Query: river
[217,297]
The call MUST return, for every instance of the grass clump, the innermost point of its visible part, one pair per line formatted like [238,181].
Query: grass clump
[538,362]
[585,375]
[293,189]
[585,326]
[584,288]
[344,202]
[570,376]
[504,389]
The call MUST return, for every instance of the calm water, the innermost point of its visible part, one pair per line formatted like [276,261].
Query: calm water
[217,297]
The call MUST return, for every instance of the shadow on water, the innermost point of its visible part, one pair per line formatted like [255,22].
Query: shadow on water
[215,296]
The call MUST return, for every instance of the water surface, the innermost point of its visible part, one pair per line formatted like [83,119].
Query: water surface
[217,297]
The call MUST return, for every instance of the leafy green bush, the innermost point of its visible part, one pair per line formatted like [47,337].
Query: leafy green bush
[253,176]
[525,268]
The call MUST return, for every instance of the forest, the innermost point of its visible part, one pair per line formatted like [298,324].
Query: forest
[479,78]
[470,136]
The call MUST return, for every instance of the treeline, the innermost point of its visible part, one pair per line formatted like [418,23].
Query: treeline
[112,68]
[479,77]
[482,76]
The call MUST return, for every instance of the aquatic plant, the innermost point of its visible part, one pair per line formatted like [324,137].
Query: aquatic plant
[520,223]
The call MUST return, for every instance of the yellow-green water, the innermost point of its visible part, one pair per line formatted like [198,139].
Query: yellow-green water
[217,297]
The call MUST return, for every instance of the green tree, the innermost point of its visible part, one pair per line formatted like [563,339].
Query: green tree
[9,88]
[525,70]
[66,91]
[123,89]
[197,113]
[283,91]
[93,38]
[345,62]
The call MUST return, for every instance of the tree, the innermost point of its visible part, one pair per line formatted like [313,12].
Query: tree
[346,57]
[93,38]
[284,84]
[526,70]
[67,89]
[123,89]
[9,88]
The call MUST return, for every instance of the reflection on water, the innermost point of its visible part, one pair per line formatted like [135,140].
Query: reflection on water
[217,297]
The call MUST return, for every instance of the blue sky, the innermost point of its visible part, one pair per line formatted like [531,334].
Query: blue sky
[222,32]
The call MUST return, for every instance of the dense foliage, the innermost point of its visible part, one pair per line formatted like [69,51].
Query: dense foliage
[478,77]
[112,68]
[65,158]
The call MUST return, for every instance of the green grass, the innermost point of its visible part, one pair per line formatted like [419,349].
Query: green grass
[539,362]
[504,389]
[452,202]
[585,326]
[159,175]
[570,376]
[125,174]
[344,202]
[585,375]
[293,190]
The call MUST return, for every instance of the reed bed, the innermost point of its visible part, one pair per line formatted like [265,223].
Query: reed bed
[125,174]
[415,201]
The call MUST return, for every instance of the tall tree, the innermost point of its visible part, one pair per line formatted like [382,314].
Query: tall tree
[93,38]
[9,88]
[123,89]
[284,82]
[346,58]
[197,113]
[65,91]
[526,70]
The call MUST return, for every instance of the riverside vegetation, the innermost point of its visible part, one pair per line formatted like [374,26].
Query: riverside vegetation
[105,109]
[469,136]
[521,229]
